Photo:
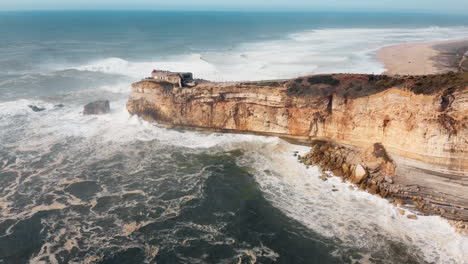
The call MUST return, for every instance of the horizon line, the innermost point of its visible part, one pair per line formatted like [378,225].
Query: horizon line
[243,10]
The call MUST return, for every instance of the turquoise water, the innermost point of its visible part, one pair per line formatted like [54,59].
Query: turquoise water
[115,189]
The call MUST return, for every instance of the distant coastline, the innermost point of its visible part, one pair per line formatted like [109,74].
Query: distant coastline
[422,58]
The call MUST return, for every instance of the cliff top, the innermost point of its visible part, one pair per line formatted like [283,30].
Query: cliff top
[360,85]
[346,85]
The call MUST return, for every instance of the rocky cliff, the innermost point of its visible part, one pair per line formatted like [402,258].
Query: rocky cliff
[409,135]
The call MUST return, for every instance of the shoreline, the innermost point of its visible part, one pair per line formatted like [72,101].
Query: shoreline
[359,114]
[422,58]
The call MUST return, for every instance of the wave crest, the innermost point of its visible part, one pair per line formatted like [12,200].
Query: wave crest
[301,53]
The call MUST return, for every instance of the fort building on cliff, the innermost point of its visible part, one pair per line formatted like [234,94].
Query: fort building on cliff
[182,79]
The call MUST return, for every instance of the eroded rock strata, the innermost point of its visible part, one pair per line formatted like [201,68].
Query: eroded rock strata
[406,137]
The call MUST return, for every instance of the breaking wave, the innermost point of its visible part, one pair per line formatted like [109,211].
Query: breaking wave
[314,51]
[357,218]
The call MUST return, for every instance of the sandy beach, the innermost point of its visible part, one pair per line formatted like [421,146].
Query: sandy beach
[423,58]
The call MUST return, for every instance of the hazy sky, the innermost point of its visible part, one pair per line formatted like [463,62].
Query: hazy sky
[459,6]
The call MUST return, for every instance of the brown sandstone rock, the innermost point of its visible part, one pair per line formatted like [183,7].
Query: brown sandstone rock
[374,189]
[345,168]
[399,202]
[359,174]
[414,217]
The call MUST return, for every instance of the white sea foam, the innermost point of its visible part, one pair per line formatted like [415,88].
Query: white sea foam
[21,107]
[116,88]
[314,51]
[55,124]
[356,218]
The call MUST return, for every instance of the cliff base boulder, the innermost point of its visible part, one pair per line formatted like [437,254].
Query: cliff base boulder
[97,108]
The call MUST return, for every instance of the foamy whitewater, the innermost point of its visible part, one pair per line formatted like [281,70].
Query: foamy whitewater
[302,53]
[116,189]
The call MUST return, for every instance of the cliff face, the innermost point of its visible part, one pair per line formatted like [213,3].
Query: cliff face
[421,122]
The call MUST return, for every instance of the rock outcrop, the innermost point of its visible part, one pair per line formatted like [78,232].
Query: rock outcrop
[97,108]
[371,169]
[408,136]
[36,108]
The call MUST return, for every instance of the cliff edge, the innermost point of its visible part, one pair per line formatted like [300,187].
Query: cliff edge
[405,137]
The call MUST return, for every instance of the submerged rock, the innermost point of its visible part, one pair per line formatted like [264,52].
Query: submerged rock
[324,177]
[36,109]
[414,217]
[97,108]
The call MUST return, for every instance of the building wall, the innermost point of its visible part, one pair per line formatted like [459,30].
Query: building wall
[175,78]
[167,77]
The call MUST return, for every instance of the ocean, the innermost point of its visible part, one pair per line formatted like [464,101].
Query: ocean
[116,189]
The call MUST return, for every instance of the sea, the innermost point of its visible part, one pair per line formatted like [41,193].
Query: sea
[116,189]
